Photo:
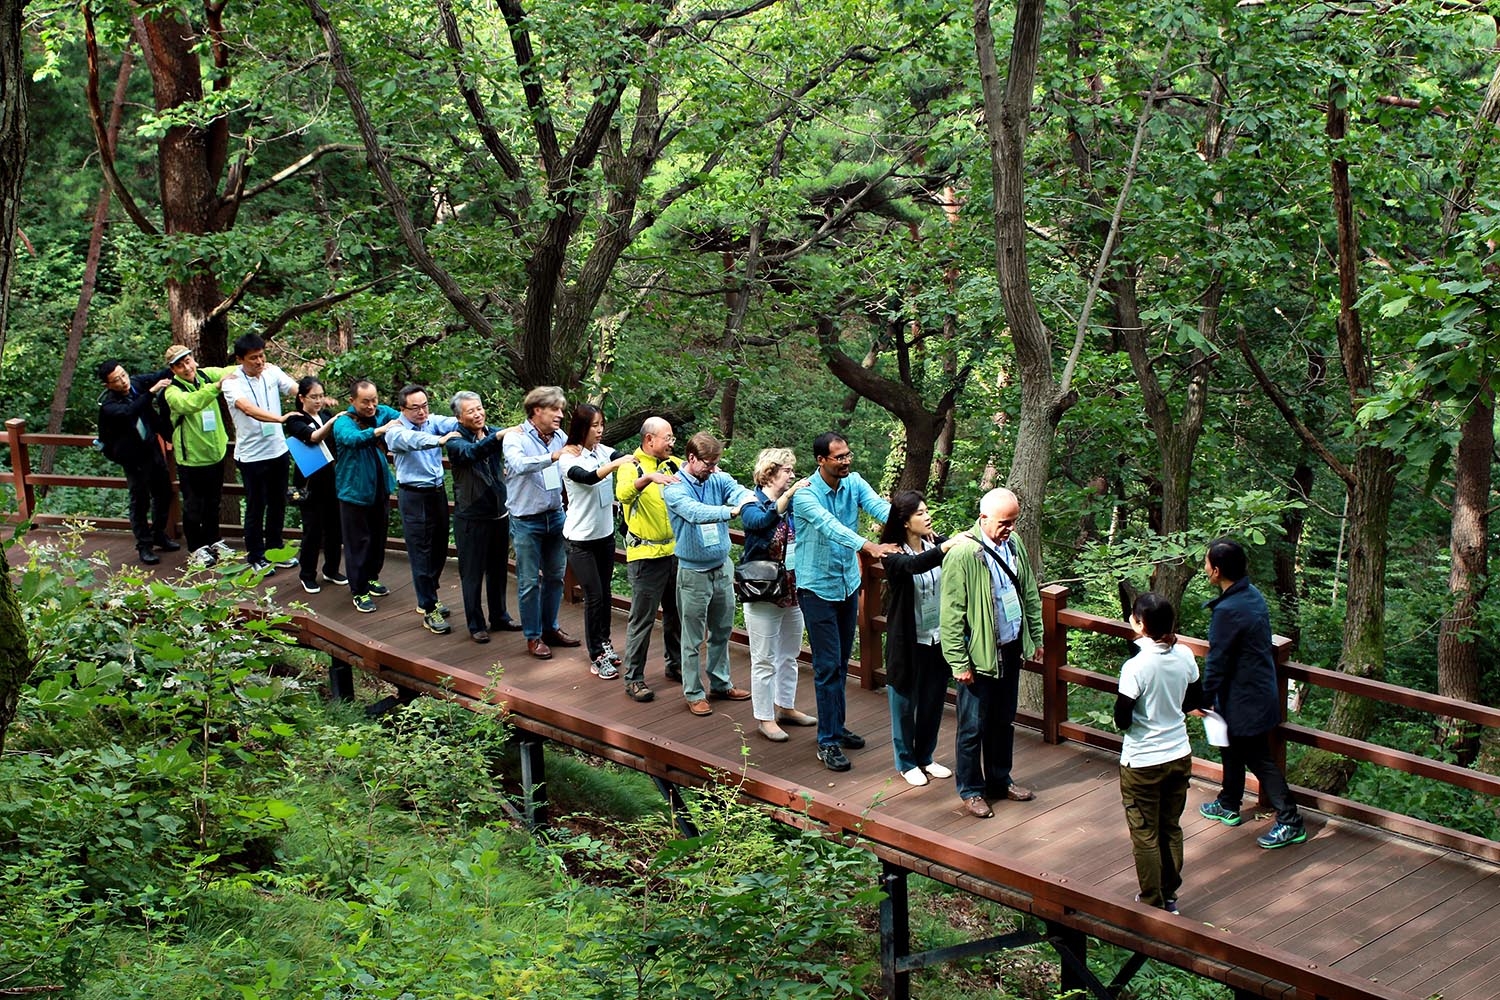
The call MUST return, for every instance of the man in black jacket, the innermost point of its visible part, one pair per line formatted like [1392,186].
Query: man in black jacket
[1239,682]
[129,430]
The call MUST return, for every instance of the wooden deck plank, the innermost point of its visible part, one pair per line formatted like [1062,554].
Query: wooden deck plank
[1377,905]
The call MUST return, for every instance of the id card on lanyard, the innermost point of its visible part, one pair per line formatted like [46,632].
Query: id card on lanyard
[1010,597]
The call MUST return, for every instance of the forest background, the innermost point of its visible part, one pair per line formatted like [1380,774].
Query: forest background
[1168,270]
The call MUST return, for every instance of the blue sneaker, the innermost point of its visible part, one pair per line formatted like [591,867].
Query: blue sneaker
[1213,810]
[1282,834]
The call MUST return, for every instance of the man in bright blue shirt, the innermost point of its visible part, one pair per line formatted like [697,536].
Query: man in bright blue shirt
[700,506]
[828,579]
[417,446]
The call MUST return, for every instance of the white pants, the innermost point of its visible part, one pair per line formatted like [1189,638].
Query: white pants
[775,641]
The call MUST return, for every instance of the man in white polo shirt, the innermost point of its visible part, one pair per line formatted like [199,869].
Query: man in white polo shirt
[260,450]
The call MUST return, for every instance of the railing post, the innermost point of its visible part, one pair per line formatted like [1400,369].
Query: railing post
[1281,649]
[1054,657]
[870,648]
[20,468]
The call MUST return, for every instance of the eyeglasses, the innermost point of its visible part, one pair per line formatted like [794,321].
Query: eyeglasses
[843,459]
[415,406]
[710,466]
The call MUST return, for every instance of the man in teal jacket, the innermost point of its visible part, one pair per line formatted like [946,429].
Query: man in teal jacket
[364,482]
[990,620]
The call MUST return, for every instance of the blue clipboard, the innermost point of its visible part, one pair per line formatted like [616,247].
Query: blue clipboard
[309,457]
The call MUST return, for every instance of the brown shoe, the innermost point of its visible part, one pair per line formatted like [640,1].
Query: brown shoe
[978,808]
[638,691]
[730,694]
[558,637]
[792,717]
[700,708]
[1018,794]
[480,637]
[538,648]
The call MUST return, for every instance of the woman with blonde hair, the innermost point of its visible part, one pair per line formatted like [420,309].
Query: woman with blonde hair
[775,626]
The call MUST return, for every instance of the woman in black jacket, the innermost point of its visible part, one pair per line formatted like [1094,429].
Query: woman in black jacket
[312,424]
[916,675]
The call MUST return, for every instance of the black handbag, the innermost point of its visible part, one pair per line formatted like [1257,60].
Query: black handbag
[760,580]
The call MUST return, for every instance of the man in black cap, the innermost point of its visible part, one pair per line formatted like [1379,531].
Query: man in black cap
[129,430]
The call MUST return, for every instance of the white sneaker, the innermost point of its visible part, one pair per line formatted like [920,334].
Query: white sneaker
[202,558]
[222,550]
[915,777]
[936,770]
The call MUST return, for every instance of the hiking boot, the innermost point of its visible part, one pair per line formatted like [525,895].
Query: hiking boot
[434,622]
[833,758]
[377,589]
[1213,810]
[638,691]
[365,604]
[1281,835]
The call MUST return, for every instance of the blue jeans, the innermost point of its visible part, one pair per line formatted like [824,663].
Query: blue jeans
[541,561]
[917,712]
[984,747]
[705,604]
[830,634]
[424,523]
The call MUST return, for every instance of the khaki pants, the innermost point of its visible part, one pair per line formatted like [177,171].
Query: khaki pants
[1154,798]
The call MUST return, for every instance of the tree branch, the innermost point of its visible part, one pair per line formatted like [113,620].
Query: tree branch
[1279,400]
[101,140]
[233,299]
[293,169]
[315,305]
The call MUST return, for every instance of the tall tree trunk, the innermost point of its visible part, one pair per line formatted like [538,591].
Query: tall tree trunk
[1288,584]
[15,655]
[1458,652]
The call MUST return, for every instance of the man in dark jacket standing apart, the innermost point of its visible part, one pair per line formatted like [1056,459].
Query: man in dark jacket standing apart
[129,432]
[1239,682]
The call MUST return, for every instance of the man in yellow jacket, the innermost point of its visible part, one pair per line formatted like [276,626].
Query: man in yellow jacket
[650,555]
[990,619]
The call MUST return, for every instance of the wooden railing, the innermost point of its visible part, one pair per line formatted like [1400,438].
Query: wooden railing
[1058,677]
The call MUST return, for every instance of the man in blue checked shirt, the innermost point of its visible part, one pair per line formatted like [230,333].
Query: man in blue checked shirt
[700,506]
[416,444]
[827,566]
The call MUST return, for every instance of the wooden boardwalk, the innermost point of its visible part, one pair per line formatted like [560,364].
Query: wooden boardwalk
[1354,912]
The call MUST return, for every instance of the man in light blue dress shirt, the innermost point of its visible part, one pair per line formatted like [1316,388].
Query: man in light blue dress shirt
[417,447]
[534,488]
[828,580]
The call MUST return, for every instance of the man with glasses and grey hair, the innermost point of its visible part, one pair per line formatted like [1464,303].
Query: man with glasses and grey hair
[416,444]
[534,486]
[481,519]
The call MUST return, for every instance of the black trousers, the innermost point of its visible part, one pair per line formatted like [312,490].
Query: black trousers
[593,566]
[321,527]
[150,498]
[202,488]
[483,550]
[365,528]
[265,504]
[1254,753]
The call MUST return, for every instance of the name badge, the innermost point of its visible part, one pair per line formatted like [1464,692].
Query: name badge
[550,478]
[269,430]
[606,495]
[709,533]
[210,420]
[791,549]
[1011,602]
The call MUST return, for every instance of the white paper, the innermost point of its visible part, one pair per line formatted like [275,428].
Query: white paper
[1215,728]
[550,479]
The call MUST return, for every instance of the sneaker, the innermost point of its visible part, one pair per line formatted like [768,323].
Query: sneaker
[311,586]
[638,691]
[915,777]
[852,741]
[434,622]
[222,550]
[604,668]
[286,563]
[614,657]
[377,589]
[337,579]
[1170,905]
[1282,834]
[1213,810]
[261,566]
[441,608]
[936,770]
[203,558]
[833,758]
[365,604]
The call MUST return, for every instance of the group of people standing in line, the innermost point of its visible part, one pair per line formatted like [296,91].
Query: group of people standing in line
[964,609]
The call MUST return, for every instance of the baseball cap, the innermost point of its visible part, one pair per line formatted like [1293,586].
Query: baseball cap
[176,353]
